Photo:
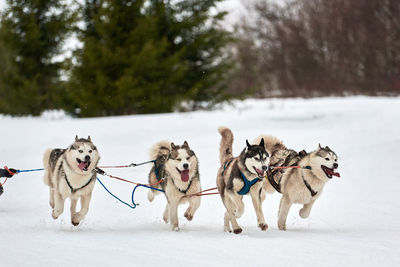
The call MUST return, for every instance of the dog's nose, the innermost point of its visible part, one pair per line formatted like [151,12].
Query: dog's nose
[335,165]
[186,166]
[264,168]
[87,158]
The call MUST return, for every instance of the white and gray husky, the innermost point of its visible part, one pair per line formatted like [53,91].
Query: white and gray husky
[71,173]
[298,185]
[239,176]
[178,167]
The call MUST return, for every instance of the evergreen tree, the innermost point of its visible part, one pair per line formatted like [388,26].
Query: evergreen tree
[32,32]
[148,56]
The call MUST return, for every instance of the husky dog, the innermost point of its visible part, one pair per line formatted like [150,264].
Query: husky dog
[71,173]
[240,176]
[178,167]
[305,185]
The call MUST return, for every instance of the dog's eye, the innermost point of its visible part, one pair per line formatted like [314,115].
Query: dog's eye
[256,158]
[90,151]
[178,159]
[335,160]
[187,158]
[326,158]
[80,151]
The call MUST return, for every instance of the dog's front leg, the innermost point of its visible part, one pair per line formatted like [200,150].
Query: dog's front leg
[255,197]
[173,214]
[284,208]
[166,214]
[73,207]
[194,203]
[85,201]
[305,211]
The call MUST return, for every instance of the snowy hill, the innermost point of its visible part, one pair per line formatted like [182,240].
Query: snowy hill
[356,222]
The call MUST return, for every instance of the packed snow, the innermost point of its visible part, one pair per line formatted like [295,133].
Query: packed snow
[356,221]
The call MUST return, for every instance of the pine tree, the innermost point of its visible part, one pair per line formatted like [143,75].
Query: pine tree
[147,56]
[32,32]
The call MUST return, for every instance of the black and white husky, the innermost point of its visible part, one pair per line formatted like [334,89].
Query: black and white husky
[241,176]
[71,173]
[178,167]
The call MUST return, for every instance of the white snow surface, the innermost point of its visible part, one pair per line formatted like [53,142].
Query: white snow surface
[356,221]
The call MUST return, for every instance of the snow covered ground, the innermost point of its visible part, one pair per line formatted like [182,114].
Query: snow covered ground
[356,222]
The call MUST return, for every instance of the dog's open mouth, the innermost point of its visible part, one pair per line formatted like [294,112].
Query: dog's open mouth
[259,172]
[184,175]
[329,172]
[83,165]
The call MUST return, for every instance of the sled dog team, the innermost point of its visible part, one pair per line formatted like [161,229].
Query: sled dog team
[255,172]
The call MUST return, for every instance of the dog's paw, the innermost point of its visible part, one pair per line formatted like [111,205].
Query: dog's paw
[263,226]
[228,229]
[237,231]
[282,227]
[165,219]
[74,223]
[55,214]
[303,213]
[150,196]
[175,228]
[188,216]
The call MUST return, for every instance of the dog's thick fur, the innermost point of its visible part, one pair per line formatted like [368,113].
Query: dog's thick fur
[293,182]
[71,173]
[174,164]
[252,162]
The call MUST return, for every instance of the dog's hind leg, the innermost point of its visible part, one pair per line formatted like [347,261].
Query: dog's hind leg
[85,201]
[231,209]
[255,197]
[58,204]
[51,200]
[305,211]
[194,203]
[227,223]
[166,214]
[284,208]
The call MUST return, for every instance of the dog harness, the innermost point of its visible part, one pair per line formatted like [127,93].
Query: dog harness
[312,192]
[247,184]
[73,190]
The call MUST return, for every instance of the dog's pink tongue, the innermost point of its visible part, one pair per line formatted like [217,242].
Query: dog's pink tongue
[82,165]
[185,175]
[332,172]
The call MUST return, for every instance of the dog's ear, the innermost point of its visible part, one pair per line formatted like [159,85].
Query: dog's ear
[185,144]
[88,138]
[262,142]
[319,146]
[173,146]
[247,143]
[327,148]
[302,153]
[76,138]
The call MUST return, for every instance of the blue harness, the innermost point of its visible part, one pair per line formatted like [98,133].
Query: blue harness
[247,184]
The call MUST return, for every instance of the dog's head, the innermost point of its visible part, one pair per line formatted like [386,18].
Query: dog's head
[182,161]
[325,159]
[256,158]
[82,155]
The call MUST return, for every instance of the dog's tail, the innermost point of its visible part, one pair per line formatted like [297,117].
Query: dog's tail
[46,164]
[225,147]
[161,148]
